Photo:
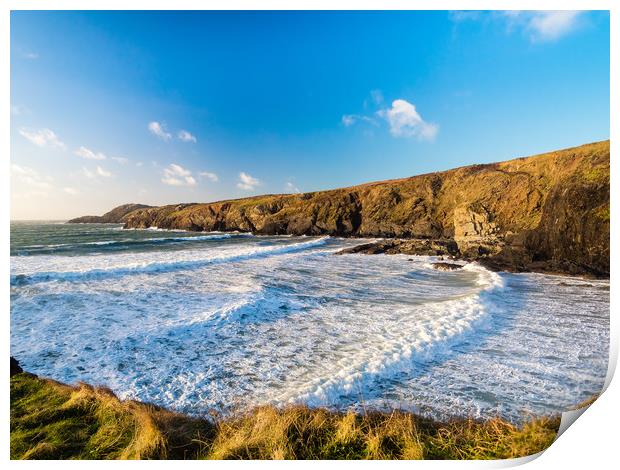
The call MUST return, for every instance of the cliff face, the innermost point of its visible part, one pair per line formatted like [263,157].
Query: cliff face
[115,216]
[546,212]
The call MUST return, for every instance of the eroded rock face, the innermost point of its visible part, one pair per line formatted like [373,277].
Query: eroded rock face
[547,212]
[473,223]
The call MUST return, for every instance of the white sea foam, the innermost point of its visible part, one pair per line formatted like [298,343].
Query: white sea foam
[122,241]
[195,260]
[397,348]
[246,321]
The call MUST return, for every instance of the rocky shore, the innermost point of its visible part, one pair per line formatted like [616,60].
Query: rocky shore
[547,213]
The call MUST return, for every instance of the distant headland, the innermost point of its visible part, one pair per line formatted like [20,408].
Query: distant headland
[547,212]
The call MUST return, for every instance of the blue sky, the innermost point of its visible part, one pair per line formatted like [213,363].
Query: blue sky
[168,107]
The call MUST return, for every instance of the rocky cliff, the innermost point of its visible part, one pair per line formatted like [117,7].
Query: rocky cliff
[115,216]
[548,212]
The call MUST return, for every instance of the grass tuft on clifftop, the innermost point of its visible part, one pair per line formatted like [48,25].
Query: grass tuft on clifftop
[50,420]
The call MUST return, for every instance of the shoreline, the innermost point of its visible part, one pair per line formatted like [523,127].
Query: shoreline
[44,412]
[493,262]
[376,245]
[543,213]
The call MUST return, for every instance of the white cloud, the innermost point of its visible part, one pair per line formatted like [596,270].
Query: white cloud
[139,164]
[30,177]
[464,15]
[247,182]
[377,97]
[405,121]
[89,174]
[176,175]
[71,191]
[18,110]
[290,187]
[185,136]
[31,55]
[349,119]
[121,160]
[158,129]
[540,25]
[103,172]
[210,176]
[550,25]
[89,154]
[42,137]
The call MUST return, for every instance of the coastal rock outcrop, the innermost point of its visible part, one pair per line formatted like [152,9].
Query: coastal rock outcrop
[425,247]
[547,212]
[447,266]
[115,216]
[15,367]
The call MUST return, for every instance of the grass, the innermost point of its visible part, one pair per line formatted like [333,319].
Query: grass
[50,420]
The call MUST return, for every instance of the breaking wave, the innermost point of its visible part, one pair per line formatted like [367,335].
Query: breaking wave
[398,348]
[147,267]
[239,321]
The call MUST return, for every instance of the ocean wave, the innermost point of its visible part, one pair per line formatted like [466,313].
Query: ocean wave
[212,236]
[161,266]
[398,350]
[343,331]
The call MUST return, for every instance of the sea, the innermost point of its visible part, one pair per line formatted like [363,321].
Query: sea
[215,322]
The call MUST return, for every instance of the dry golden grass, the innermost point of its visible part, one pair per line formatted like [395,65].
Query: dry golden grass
[52,420]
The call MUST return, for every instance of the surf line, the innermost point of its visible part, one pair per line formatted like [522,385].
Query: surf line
[159,267]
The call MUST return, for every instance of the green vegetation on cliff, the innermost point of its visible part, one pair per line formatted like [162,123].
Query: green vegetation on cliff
[116,215]
[547,212]
[50,420]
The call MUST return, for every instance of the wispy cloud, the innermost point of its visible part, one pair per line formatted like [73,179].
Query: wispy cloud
[71,191]
[17,110]
[290,187]
[89,154]
[103,172]
[159,130]
[247,182]
[349,119]
[185,136]
[210,176]
[42,137]
[121,160]
[377,97]
[176,175]
[89,174]
[544,25]
[99,171]
[539,26]
[405,121]
[30,55]
[464,15]
[31,177]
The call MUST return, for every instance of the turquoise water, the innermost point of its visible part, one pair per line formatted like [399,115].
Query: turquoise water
[201,321]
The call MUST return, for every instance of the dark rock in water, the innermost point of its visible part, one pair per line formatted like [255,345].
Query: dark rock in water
[416,246]
[15,367]
[447,266]
[368,248]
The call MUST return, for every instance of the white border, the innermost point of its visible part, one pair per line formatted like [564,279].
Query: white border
[591,442]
